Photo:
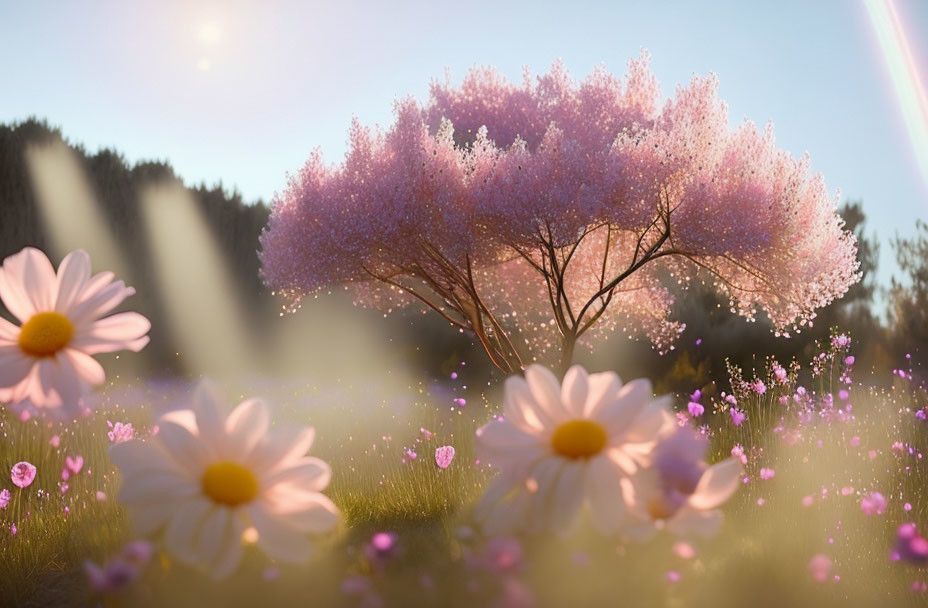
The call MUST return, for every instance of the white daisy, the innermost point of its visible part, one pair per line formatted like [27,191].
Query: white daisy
[204,480]
[680,492]
[48,358]
[560,447]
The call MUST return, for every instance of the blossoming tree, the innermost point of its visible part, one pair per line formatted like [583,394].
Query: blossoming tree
[541,214]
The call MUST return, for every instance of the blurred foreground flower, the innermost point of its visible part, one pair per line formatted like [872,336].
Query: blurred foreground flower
[563,446]
[820,567]
[205,480]
[910,545]
[120,572]
[48,359]
[680,492]
[873,504]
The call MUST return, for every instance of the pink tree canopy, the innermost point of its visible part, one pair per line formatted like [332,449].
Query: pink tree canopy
[551,211]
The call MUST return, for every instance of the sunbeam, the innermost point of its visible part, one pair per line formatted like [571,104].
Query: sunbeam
[69,208]
[201,306]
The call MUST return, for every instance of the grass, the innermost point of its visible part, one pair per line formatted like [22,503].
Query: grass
[366,431]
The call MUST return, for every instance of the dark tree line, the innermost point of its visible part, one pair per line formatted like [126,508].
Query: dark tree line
[908,297]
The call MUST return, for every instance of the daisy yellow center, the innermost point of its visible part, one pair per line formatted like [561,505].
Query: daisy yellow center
[229,483]
[579,439]
[45,333]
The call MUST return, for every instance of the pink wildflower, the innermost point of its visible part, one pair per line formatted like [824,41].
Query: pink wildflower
[738,452]
[74,464]
[780,374]
[443,456]
[910,545]
[874,504]
[737,416]
[820,567]
[23,474]
[120,432]
[695,409]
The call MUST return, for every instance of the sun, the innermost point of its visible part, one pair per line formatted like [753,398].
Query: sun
[209,33]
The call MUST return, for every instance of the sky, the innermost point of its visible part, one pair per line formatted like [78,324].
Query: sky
[241,93]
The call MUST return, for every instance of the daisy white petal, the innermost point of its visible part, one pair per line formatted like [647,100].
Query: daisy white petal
[123,331]
[13,366]
[99,299]
[546,391]
[73,275]
[501,443]
[136,458]
[279,539]
[88,368]
[210,424]
[601,391]
[626,406]
[184,448]
[211,536]
[230,553]
[184,418]
[607,503]
[574,391]
[540,485]
[149,518]
[157,486]
[13,292]
[520,408]
[567,497]
[316,514]
[181,533]
[59,383]
[310,473]
[283,446]
[651,422]
[717,484]
[9,333]
[247,424]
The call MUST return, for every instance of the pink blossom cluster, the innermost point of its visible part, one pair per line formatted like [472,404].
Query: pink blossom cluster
[553,208]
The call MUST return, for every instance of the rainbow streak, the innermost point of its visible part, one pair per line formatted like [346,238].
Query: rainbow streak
[903,72]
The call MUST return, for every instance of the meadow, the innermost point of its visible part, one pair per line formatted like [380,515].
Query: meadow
[799,537]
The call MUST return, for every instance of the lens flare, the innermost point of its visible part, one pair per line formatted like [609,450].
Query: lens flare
[904,73]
